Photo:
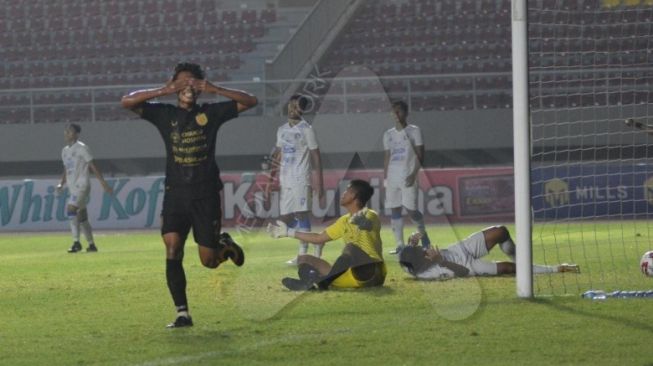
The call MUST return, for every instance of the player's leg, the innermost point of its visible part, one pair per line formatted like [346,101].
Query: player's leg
[393,202]
[304,224]
[307,263]
[409,201]
[310,269]
[509,268]
[287,209]
[82,217]
[506,268]
[500,235]
[73,220]
[175,227]
[86,229]
[176,277]
[214,247]
[351,257]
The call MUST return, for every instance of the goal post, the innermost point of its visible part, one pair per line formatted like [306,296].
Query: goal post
[521,141]
[583,176]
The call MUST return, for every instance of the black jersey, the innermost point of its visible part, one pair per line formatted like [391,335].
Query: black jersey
[190,138]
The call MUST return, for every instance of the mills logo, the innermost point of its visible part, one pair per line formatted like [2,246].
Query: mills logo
[556,192]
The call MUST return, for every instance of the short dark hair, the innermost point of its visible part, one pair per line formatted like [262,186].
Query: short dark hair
[302,102]
[363,191]
[194,69]
[75,127]
[412,259]
[401,104]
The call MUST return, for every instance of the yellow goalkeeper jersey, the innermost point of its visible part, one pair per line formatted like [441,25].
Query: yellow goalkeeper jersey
[367,240]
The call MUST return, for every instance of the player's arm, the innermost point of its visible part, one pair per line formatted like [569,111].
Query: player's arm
[317,166]
[281,230]
[136,98]
[62,182]
[434,256]
[244,99]
[107,188]
[314,238]
[419,153]
[386,161]
[639,125]
[275,159]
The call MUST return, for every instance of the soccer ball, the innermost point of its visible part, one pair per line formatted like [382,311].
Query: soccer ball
[646,263]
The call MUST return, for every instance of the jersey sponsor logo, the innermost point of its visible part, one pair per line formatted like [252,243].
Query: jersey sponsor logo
[201,119]
[289,149]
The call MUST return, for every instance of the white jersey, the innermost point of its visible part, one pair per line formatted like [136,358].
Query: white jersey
[75,161]
[401,144]
[295,143]
[466,253]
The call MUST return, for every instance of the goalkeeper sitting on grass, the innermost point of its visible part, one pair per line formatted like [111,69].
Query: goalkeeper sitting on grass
[361,262]
[463,258]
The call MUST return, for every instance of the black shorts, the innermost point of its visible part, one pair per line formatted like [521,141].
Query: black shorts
[203,215]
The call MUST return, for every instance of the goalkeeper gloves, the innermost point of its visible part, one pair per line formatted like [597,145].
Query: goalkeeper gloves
[360,219]
[280,230]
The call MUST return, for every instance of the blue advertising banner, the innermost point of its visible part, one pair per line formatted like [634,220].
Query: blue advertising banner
[582,191]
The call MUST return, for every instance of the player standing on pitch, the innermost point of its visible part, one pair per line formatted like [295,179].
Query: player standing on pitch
[404,156]
[296,142]
[77,160]
[192,183]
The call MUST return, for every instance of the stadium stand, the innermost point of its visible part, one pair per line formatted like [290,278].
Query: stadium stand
[90,46]
[440,55]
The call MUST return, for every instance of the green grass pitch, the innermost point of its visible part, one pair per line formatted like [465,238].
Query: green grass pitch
[111,307]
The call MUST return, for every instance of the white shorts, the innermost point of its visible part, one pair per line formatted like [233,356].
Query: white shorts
[470,250]
[79,197]
[295,199]
[396,196]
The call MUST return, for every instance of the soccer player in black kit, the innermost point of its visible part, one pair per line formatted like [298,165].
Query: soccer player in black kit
[192,183]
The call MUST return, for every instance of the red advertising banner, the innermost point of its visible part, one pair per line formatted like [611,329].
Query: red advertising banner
[455,195]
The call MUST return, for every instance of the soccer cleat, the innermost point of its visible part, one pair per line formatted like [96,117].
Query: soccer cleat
[91,248]
[76,247]
[231,250]
[294,284]
[180,322]
[292,262]
[566,267]
[396,250]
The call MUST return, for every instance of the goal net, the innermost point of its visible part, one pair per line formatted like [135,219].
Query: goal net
[590,69]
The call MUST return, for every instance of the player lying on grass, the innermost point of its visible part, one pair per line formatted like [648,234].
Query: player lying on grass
[463,259]
[361,262]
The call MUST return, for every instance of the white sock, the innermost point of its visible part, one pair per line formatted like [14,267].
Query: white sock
[74,227]
[317,250]
[303,247]
[398,230]
[183,313]
[509,248]
[88,233]
[544,269]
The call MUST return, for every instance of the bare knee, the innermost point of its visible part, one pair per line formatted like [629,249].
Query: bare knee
[496,234]
[174,246]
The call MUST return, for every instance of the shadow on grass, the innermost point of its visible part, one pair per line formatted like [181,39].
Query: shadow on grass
[373,291]
[575,311]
